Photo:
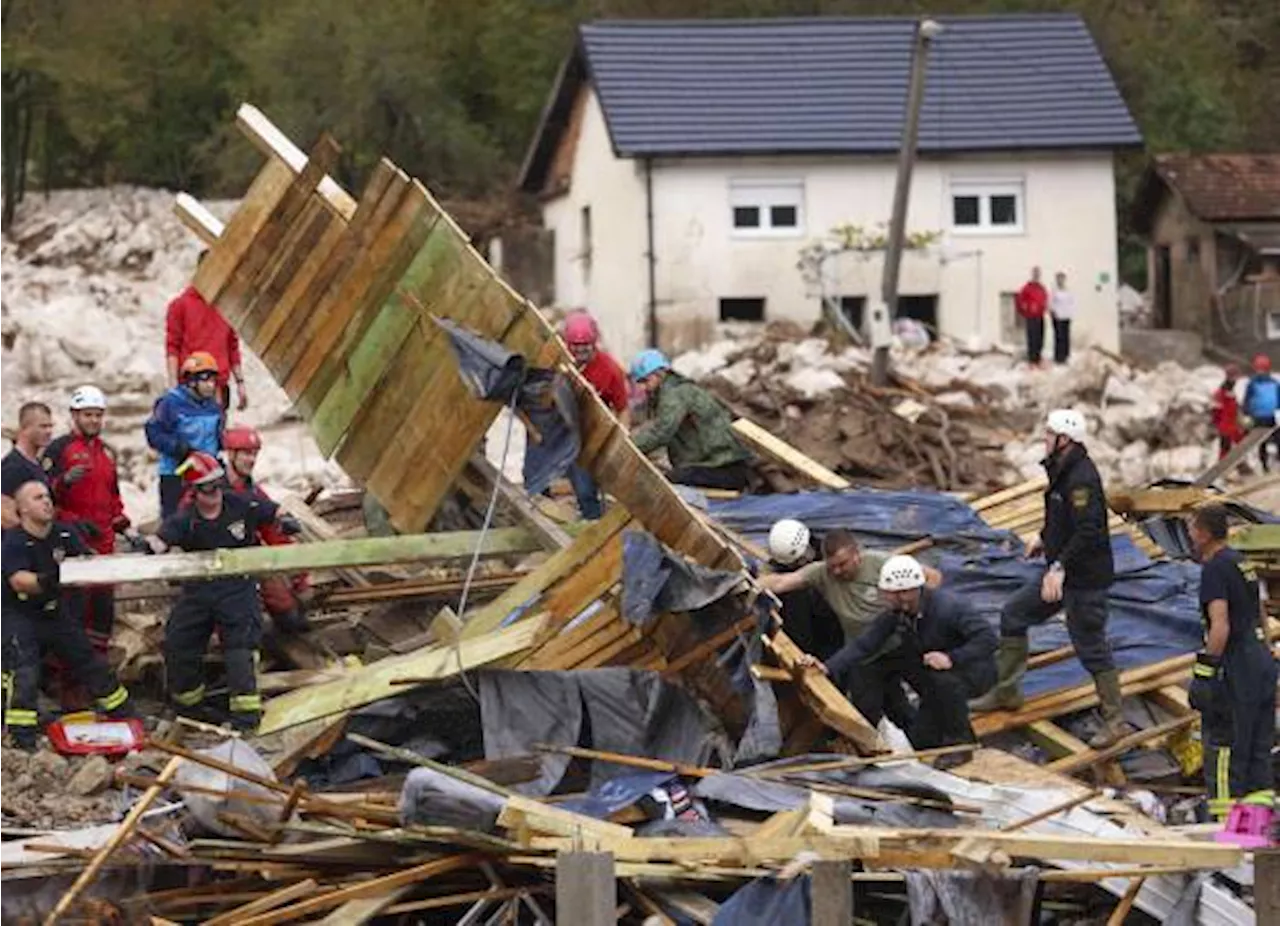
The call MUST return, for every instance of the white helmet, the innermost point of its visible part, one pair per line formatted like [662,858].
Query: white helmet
[1068,422]
[788,541]
[901,574]
[88,397]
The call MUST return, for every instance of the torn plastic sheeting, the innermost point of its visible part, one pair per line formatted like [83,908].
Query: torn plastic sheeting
[655,580]
[431,798]
[768,902]
[938,898]
[206,808]
[629,711]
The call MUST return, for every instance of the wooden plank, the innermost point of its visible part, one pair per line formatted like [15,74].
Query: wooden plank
[278,898]
[276,145]
[365,551]
[610,654]
[1055,740]
[560,564]
[199,220]
[283,322]
[824,698]
[831,891]
[586,889]
[316,528]
[1257,538]
[582,587]
[355,912]
[1123,745]
[1172,699]
[545,818]
[1157,501]
[775,448]
[379,680]
[1235,456]
[487,474]
[1013,493]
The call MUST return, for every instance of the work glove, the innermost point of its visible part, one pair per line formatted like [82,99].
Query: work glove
[1205,693]
[120,524]
[289,525]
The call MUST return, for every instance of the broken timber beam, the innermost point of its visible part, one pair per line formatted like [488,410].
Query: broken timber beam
[1139,502]
[1235,456]
[366,551]
[778,450]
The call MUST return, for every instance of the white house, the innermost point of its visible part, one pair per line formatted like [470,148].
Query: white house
[683,166]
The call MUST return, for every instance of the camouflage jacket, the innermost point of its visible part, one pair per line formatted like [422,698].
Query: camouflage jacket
[692,424]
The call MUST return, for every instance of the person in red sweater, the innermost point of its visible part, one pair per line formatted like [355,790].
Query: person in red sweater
[1031,303]
[1226,412]
[86,494]
[192,325]
[599,368]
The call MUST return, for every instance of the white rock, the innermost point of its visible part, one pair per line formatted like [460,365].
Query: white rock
[741,373]
[812,383]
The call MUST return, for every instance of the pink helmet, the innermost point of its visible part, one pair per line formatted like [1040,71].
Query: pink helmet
[580,328]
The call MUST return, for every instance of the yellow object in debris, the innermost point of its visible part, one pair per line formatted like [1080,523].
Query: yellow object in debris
[1188,750]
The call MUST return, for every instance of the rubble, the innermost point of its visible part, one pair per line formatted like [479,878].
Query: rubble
[42,790]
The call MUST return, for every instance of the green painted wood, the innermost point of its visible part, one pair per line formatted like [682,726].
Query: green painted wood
[1258,538]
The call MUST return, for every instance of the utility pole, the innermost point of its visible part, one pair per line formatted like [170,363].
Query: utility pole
[926,31]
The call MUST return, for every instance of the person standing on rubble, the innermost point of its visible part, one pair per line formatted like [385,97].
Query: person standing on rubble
[193,325]
[693,426]
[22,463]
[1261,403]
[284,597]
[37,619]
[809,620]
[1077,547]
[1062,306]
[1226,412]
[927,638]
[215,520]
[1233,682]
[185,419]
[605,375]
[1031,303]
[86,494]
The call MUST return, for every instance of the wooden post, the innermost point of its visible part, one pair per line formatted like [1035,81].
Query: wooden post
[1266,885]
[831,893]
[586,891]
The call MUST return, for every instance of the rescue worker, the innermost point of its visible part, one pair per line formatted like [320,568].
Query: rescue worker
[927,638]
[1261,403]
[1226,412]
[283,597]
[187,418]
[695,429]
[1077,549]
[1233,682]
[37,620]
[192,325]
[599,368]
[86,493]
[215,520]
[22,463]
[809,620]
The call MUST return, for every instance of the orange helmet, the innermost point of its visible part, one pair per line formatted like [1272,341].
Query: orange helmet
[241,437]
[199,362]
[201,468]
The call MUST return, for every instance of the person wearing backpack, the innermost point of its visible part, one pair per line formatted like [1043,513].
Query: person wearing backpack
[1261,400]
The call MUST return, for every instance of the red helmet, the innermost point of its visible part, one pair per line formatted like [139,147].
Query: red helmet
[581,329]
[1262,364]
[201,468]
[241,437]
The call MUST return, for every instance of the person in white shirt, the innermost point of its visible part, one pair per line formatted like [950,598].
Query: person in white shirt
[1062,306]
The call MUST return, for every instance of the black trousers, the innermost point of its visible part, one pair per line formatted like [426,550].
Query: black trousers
[232,606]
[942,717]
[1061,340]
[171,488]
[1253,710]
[1264,449]
[1035,338]
[735,476]
[1086,621]
[59,631]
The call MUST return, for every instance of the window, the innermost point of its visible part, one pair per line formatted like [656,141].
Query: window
[987,208]
[1273,326]
[852,308]
[584,237]
[742,310]
[767,208]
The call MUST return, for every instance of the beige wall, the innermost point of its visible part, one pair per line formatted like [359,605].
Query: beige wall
[1192,259]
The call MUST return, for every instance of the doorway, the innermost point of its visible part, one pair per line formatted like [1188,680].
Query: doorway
[1162,309]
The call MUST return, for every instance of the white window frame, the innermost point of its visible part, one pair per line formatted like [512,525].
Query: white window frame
[984,190]
[764,195]
[1273,325]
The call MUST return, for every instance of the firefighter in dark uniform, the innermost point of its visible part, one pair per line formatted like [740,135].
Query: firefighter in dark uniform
[1077,547]
[929,639]
[215,520]
[37,620]
[1233,682]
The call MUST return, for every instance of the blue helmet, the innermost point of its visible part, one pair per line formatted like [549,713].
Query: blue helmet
[648,362]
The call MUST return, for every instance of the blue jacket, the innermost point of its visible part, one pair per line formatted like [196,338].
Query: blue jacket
[182,422]
[1262,397]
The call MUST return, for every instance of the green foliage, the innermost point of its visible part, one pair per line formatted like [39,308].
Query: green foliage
[144,91]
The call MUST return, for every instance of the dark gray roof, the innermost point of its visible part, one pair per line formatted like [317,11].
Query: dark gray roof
[838,85]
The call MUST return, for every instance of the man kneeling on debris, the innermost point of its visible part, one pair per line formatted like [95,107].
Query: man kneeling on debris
[37,619]
[215,520]
[692,424]
[927,638]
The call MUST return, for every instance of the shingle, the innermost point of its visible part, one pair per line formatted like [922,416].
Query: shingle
[838,85]
[1221,187]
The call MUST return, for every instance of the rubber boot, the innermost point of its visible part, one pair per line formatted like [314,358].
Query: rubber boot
[1011,665]
[1109,705]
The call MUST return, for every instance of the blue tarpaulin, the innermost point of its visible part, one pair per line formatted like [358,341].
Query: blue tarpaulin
[1154,612]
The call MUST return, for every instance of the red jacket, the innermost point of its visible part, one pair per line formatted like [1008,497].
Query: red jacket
[1226,413]
[606,377]
[95,498]
[1032,300]
[191,324]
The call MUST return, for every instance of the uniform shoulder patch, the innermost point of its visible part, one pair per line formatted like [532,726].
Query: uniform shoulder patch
[1247,570]
[1080,497]
[236,529]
